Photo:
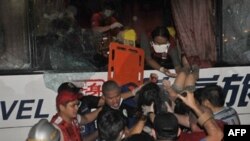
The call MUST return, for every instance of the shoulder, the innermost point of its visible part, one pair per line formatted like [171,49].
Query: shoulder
[61,134]
[56,119]
[191,136]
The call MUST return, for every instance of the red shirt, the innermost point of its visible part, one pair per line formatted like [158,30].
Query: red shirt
[99,20]
[197,136]
[70,132]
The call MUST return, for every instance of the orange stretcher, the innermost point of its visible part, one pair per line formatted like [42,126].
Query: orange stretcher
[126,64]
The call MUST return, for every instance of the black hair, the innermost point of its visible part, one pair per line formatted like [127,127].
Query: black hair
[160,31]
[148,94]
[181,107]
[110,123]
[68,86]
[197,95]
[214,94]
[110,85]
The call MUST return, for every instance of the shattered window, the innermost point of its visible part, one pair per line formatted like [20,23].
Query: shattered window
[60,42]
[236,32]
[44,35]
[14,50]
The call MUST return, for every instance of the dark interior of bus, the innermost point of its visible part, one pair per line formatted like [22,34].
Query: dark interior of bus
[34,35]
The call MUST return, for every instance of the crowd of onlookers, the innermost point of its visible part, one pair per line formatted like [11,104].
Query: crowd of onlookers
[151,112]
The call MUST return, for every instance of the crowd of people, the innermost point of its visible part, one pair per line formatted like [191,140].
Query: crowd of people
[147,112]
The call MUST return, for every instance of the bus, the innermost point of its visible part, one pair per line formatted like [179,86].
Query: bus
[36,58]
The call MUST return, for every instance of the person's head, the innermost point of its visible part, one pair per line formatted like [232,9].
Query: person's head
[107,9]
[67,99]
[212,95]
[153,77]
[112,94]
[160,39]
[148,94]
[127,37]
[111,125]
[140,137]
[43,131]
[197,95]
[166,126]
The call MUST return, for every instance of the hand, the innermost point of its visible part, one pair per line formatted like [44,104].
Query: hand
[189,99]
[116,25]
[170,109]
[134,91]
[147,109]
[167,72]
[166,84]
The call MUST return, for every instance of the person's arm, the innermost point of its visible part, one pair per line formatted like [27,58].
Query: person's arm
[97,28]
[132,93]
[148,111]
[101,101]
[89,117]
[96,25]
[138,127]
[171,92]
[128,94]
[205,119]
[155,65]
[174,54]
[101,29]
[182,119]
[91,137]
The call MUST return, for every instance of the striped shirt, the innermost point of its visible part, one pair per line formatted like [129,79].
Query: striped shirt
[228,115]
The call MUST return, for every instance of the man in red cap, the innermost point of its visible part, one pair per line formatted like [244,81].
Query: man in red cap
[66,119]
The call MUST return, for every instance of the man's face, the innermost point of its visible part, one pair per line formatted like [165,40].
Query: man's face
[113,98]
[70,109]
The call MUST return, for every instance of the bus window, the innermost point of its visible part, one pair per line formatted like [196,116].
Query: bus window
[61,44]
[236,32]
[14,42]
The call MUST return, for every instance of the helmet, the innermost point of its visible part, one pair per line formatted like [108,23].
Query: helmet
[127,37]
[43,131]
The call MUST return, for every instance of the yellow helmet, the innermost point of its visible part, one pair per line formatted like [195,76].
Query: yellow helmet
[129,37]
[171,31]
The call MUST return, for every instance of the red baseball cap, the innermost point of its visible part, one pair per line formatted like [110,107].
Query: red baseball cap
[67,92]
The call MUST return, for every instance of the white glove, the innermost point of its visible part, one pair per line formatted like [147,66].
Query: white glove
[147,109]
[134,91]
[116,25]
[166,84]
[170,109]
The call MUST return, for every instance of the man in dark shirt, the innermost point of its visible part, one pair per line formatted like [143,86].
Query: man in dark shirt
[115,101]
